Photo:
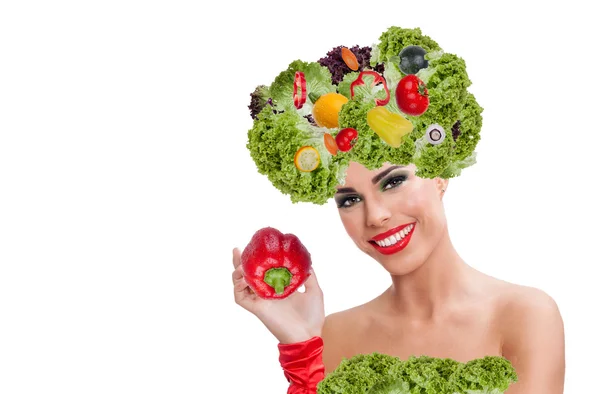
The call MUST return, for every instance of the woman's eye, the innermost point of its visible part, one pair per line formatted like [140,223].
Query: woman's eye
[348,202]
[394,182]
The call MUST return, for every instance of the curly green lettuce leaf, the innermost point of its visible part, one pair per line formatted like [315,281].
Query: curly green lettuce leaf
[434,55]
[390,385]
[426,374]
[382,374]
[432,160]
[357,374]
[375,55]
[273,142]
[392,75]
[395,39]
[470,126]
[455,168]
[447,85]
[318,81]
[344,85]
[488,375]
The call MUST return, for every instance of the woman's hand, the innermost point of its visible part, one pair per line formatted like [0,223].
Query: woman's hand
[296,318]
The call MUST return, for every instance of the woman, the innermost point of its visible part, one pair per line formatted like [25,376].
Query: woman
[436,305]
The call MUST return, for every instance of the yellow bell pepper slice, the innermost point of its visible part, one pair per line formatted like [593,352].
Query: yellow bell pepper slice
[389,126]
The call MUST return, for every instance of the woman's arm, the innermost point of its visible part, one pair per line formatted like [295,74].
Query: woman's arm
[534,342]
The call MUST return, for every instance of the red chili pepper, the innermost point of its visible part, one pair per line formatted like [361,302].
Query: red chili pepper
[377,78]
[299,83]
[274,264]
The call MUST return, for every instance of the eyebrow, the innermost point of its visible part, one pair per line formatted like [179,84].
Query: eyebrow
[375,179]
[383,173]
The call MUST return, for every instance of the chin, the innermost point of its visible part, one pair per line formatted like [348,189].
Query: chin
[401,266]
[402,262]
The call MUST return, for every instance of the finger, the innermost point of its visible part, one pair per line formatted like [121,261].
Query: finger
[237,274]
[240,290]
[237,257]
[245,297]
[241,286]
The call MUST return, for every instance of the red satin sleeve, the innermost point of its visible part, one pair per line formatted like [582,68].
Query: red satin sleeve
[302,365]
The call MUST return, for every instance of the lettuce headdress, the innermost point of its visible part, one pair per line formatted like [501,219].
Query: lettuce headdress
[402,101]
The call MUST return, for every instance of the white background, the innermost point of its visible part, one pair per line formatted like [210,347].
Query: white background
[125,181]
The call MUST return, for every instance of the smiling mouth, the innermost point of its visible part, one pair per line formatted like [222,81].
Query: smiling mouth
[395,238]
[395,242]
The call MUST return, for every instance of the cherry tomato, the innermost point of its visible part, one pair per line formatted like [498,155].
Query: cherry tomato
[346,138]
[412,96]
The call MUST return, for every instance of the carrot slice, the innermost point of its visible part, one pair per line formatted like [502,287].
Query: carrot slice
[330,144]
[349,58]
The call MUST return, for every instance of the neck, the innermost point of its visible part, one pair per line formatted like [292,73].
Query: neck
[442,277]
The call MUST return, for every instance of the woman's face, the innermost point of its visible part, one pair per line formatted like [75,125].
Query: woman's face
[393,206]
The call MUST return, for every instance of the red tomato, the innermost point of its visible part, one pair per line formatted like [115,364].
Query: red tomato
[346,138]
[412,96]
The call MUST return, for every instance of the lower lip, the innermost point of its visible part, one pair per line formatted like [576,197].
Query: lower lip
[395,248]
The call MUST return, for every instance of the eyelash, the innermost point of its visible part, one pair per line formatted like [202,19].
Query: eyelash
[399,179]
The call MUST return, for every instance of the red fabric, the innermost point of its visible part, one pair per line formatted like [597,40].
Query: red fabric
[302,365]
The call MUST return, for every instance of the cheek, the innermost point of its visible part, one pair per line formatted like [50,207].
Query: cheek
[351,223]
[414,206]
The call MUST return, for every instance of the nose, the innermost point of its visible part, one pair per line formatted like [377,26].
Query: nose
[377,214]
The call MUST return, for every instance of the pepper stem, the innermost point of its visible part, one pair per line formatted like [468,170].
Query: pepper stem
[313,97]
[278,278]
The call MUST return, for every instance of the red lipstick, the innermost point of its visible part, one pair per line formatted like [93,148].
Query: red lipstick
[398,246]
[393,231]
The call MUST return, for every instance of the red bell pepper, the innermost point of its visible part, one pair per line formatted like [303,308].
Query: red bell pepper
[377,79]
[299,83]
[275,265]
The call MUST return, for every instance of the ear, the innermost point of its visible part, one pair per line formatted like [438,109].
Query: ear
[441,186]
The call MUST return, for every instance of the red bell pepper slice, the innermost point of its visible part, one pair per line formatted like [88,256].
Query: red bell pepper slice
[299,83]
[377,79]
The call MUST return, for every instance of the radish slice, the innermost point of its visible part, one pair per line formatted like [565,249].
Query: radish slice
[435,134]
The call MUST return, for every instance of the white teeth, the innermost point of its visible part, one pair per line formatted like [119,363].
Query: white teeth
[391,240]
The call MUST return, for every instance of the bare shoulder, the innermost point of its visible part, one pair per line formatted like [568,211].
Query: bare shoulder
[532,338]
[338,333]
[523,304]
